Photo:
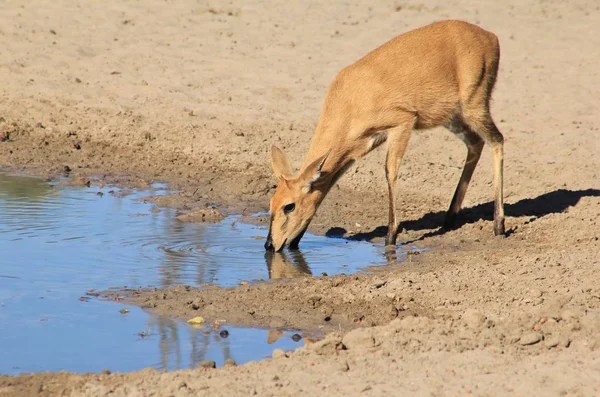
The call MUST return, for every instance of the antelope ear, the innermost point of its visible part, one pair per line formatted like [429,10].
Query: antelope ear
[280,164]
[312,173]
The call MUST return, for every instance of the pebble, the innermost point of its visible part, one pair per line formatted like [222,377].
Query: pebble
[552,342]
[535,293]
[569,315]
[531,338]
[229,363]
[207,364]
[359,338]
[378,284]
[224,334]
[278,353]
[473,319]
[344,367]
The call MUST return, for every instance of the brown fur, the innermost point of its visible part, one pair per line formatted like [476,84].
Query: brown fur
[439,74]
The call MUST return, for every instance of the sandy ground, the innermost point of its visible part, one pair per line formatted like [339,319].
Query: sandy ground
[195,92]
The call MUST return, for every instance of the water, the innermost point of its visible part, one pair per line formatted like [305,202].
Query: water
[58,242]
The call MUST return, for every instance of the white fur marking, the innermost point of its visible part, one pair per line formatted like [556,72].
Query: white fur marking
[376,140]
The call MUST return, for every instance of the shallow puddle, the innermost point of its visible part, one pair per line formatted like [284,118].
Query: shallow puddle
[58,242]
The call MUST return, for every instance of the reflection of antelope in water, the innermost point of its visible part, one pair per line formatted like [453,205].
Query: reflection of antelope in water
[170,343]
[284,266]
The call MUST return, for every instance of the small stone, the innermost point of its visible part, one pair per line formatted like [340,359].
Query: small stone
[473,319]
[531,338]
[378,284]
[569,315]
[278,353]
[327,318]
[229,363]
[207,364]
[224,334]
[77,80]
[106,371]
[4,136]
[330,345]
[359,338]
[552,342]
[296,337]
[182,385]
[207,215]
[344,367]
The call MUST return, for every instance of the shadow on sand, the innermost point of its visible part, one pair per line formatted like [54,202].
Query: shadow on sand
[548,203]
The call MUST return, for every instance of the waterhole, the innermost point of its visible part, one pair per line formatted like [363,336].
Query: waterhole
[57,242]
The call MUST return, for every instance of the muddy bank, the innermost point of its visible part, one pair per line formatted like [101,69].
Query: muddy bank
[524,285]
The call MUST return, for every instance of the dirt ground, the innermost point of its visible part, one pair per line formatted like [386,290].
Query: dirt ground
[195,92]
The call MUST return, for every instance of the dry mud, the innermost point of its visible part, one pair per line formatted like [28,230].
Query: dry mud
[194,93]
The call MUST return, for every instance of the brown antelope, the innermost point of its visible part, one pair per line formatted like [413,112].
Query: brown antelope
[438,75]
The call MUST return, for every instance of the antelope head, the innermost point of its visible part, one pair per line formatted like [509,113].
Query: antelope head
[295,201]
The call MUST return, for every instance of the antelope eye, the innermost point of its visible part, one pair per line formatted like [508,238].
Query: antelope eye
[289,208]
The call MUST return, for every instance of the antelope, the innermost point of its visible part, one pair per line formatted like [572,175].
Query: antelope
[441,74]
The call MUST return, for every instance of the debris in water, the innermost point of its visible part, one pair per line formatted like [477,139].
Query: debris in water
[143,334]
[124,311]
[196,321]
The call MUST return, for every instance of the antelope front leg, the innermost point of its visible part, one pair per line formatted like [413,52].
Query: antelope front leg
[397,142]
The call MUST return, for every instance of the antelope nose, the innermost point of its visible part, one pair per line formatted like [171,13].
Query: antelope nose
[269,245]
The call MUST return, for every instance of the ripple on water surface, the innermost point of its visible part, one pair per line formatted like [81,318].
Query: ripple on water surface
[58,242]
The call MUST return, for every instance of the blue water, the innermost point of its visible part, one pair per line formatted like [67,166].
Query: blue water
[57,242]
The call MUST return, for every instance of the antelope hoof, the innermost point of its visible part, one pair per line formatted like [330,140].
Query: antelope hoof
[499,228]
[390,240]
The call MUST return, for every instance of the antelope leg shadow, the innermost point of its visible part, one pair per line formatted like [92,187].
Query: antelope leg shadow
[553,202]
